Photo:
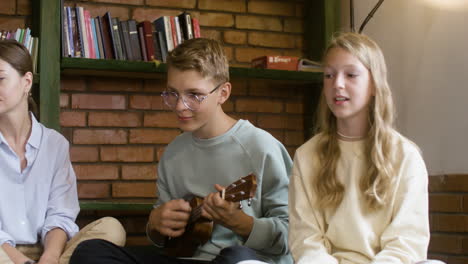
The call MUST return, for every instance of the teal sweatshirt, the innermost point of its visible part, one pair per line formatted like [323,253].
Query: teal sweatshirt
[191,166]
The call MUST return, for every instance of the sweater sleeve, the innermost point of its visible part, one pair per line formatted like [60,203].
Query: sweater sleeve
[269,232]
[406,239]
[307,225]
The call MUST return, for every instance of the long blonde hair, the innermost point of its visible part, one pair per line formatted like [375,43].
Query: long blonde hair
[380,154]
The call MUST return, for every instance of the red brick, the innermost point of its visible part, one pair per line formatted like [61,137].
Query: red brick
[229,51]
[126,2]
[294,25]
[24,7]
[211,34]
[134,190]
[96,172]
[449,183]
[72,84]
[64,100]
[216,20]
[99,136]
[271,88]
[8,7]
[73,119]
[235,37]
[154,85]
[442,243]
[161,119]
[465,243]
[98,101]
[294,138]
[258,105]
[139,172]
[295,107]
[283,8]
[160,152]
[223,5]
[449,223]
[114,119]
[278,134]
[259,23]
[252,118]
[445,203]
[151,14]
[12,23]
[272,40]
[281,122]
[84,154]
[171,3]
[465,203]
[300,10]
[247,54]
[238,86]
[153,136]
[293,53]
[127,154]
[93,190]
[99,10]
[153,102]
[117,85]
[291,150]
[299,40]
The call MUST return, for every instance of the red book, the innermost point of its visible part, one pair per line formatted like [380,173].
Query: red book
[148,36]
[196,28]
[89,34]
[174,31]
[288,63]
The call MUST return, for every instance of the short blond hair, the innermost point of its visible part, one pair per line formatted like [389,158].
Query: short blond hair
[206,56]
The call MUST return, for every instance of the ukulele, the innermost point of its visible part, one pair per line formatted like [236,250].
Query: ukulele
[198,230]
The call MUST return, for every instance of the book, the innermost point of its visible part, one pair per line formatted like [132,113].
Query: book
[148,36]
[77,42]
[134,41]
[69,21]
[185,21]
[82,32]
[95,39]
[117,40]
[288,63]
[141,36]
[108,36]
[162,45]
[178,31]
[126,40]
[309,65]
[97,24]
[163,25]
[196,28]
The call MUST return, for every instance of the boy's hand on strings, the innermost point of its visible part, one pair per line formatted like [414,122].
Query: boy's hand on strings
[170,218]
[225,213]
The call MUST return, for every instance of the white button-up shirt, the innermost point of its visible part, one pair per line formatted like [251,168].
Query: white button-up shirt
[41,197]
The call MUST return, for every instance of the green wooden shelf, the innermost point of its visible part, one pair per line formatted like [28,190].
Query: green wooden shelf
[115,205]
[140,69]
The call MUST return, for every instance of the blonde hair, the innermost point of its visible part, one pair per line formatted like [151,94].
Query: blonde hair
[206,56]
[380,149]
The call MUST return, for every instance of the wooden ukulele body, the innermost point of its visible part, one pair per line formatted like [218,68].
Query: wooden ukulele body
[196,234]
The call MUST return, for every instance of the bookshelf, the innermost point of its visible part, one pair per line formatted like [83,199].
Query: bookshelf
[148,70]
[322,18]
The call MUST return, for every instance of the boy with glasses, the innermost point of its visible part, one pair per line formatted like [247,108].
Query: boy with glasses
[214,151]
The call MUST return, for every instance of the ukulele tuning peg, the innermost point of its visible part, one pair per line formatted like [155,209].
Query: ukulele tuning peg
[240,205]
[249,201]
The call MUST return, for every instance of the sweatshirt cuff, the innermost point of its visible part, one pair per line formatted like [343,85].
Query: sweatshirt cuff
[6,238]
[259,237]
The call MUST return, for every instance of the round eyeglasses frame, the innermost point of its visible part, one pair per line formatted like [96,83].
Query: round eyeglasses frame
[199,98]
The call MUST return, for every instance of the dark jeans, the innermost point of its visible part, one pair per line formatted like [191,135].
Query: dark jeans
[98,251]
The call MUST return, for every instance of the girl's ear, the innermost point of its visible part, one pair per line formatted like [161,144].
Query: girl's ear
[224,93]
[27,81]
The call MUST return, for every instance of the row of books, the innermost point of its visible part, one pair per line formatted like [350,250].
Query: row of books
[106,37]
[288,63]
[23,36]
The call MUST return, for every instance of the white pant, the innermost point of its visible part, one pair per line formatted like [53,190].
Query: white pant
[107,228]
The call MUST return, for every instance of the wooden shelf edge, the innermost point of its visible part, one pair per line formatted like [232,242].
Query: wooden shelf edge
[148,70]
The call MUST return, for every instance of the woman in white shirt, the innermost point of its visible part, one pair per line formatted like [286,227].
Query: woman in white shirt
[38,195]
[358,191]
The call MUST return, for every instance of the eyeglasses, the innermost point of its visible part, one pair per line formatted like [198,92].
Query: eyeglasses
[190,100]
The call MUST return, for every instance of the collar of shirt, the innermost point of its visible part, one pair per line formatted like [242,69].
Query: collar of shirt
[36,133]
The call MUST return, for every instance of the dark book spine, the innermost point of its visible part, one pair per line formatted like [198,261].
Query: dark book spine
[64,35]
[117,40]
[107,37]
[126,40]
[77,36]
[97,24]
[134,41]
[156,46]
[141,36]
[185,21]
[70,31]
[162,45]
[148,32]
